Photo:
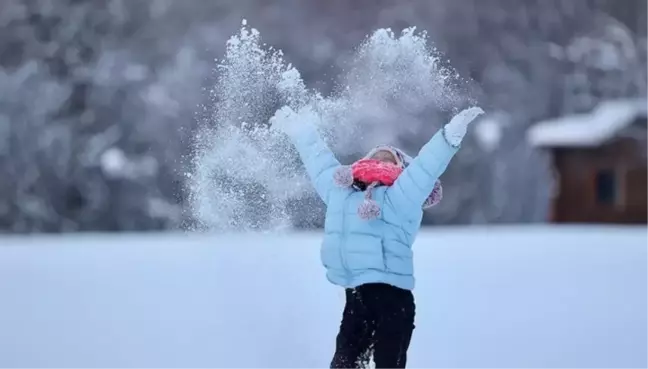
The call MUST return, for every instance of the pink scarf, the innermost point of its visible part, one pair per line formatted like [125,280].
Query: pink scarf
[369,171]
[372,173]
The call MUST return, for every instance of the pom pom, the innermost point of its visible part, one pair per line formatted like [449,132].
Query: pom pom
[369,210]
[343,177]
[435,197]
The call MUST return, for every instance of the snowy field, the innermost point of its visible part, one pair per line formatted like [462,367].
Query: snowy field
[486,297]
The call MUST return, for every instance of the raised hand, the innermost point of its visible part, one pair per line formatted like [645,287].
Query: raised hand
[289,121]
[455,130]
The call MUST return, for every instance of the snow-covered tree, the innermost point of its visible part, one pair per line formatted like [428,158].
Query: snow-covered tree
[98,98]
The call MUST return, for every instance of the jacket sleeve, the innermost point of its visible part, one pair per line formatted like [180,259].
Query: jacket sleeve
[417,181]
[318,159]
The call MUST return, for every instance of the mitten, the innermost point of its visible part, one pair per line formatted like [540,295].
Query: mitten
[292,122]
[455,131]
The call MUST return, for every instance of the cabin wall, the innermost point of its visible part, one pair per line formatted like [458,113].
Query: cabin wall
[606,184]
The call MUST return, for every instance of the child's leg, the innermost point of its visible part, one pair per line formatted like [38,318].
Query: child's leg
[353,342]
[395,312]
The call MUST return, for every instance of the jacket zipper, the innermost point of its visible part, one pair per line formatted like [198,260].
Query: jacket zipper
[344,246]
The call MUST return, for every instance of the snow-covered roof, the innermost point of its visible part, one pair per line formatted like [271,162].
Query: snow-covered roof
[590,129]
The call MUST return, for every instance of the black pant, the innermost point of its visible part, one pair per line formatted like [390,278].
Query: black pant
[378,318]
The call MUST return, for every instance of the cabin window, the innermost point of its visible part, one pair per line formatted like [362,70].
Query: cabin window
[607,187]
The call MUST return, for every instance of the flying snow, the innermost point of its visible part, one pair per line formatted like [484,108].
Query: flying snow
[244,176]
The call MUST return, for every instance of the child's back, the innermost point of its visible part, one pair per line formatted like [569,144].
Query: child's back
[368,236]
[356,251]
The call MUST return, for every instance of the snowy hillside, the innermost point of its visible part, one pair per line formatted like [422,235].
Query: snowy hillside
[500,297]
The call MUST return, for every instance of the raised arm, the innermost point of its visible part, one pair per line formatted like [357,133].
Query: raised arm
[318,159]
[415,184]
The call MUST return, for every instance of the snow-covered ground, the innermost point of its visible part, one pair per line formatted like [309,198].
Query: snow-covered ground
[486,297]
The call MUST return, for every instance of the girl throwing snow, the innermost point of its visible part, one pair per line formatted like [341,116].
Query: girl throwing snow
[374,210]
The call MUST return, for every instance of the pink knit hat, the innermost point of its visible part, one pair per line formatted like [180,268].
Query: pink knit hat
[369,209]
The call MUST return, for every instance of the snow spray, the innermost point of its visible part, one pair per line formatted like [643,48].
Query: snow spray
[246,177]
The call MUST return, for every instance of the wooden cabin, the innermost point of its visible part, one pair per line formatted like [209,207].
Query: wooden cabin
[599,163]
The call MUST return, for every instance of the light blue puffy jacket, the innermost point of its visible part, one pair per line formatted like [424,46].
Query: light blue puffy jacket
[356,251]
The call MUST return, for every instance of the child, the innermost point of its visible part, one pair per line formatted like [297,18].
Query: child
[374,210]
